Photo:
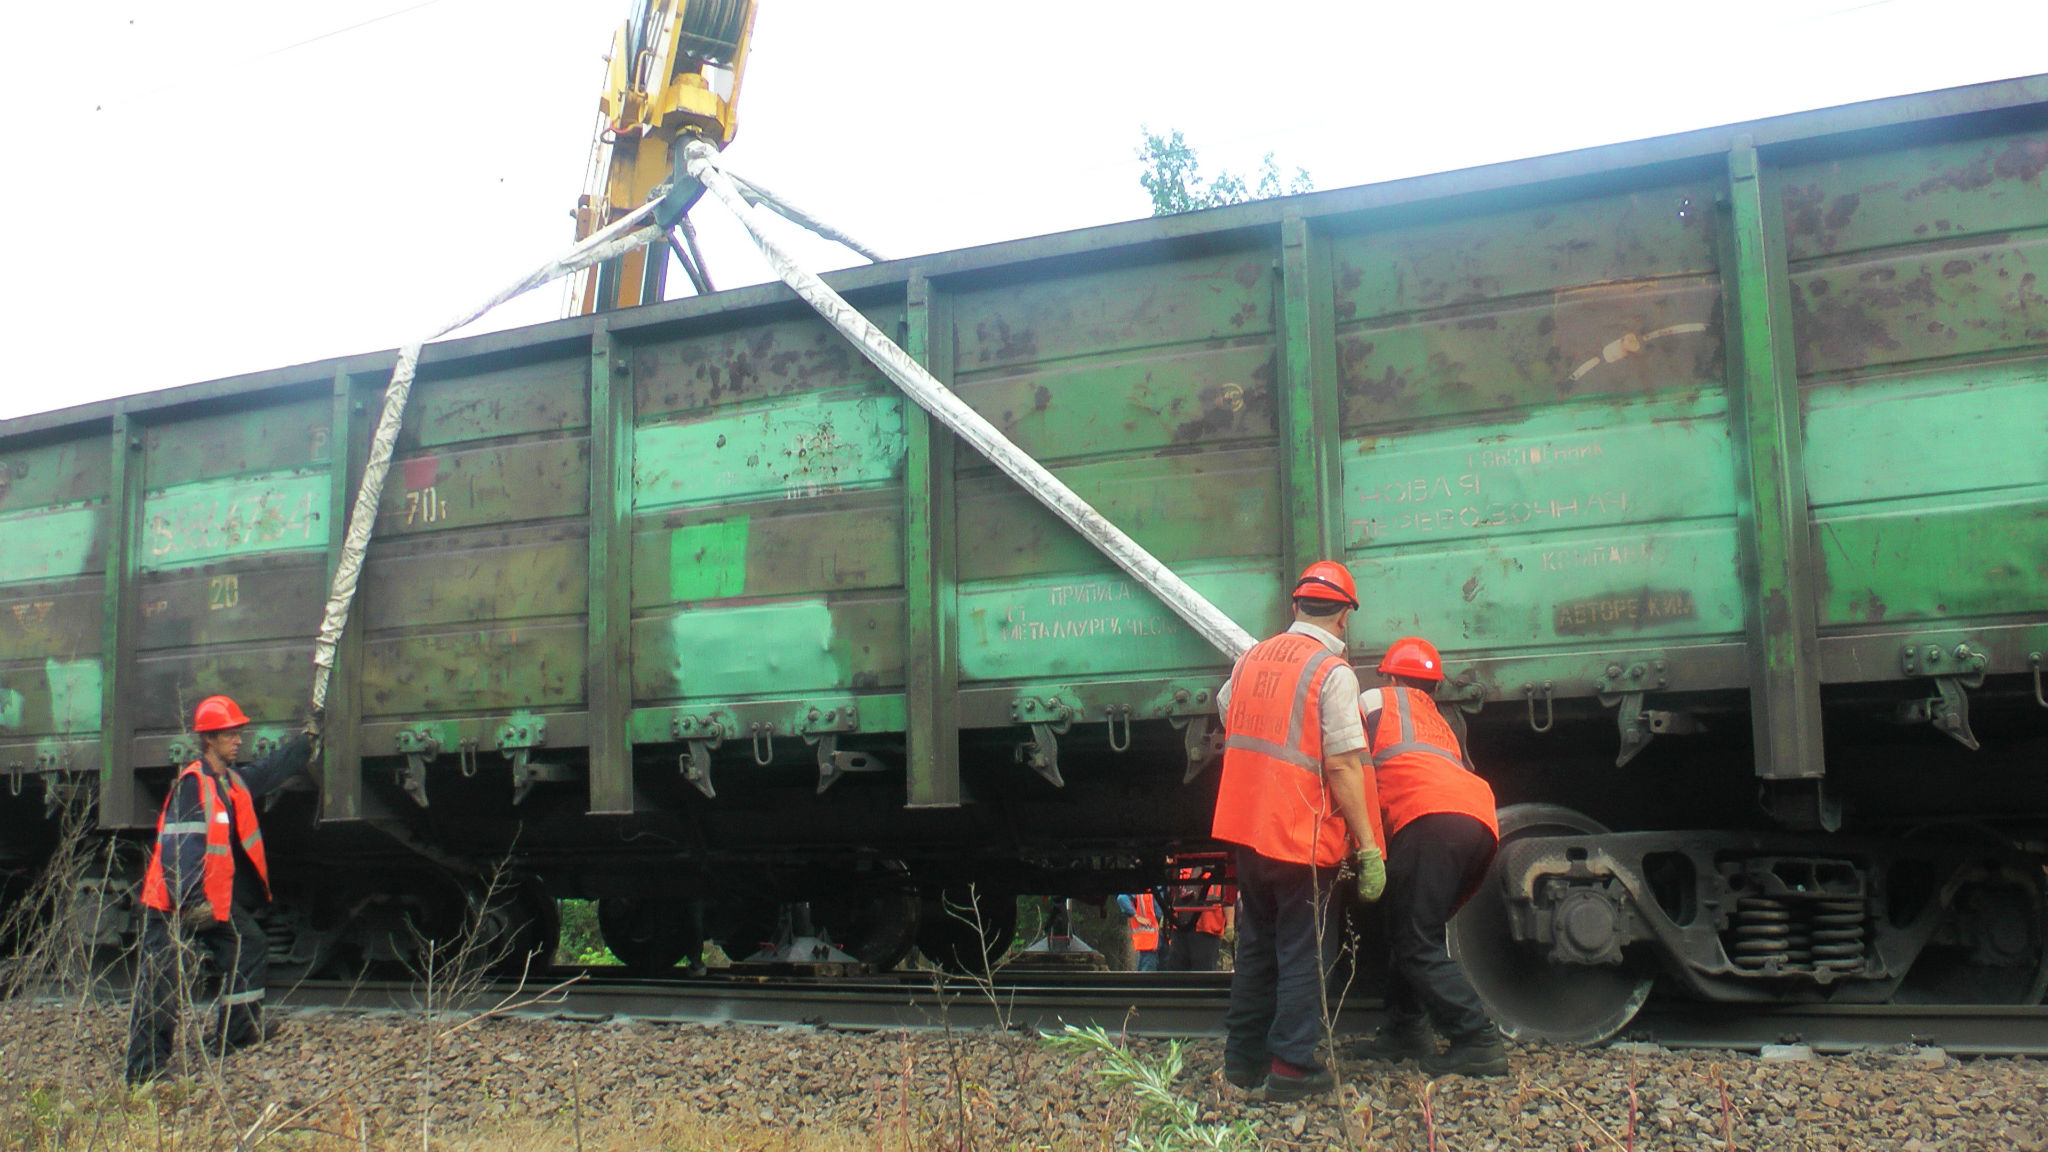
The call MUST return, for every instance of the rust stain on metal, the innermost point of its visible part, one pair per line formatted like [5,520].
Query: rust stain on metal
[1003,344]
[1222,409]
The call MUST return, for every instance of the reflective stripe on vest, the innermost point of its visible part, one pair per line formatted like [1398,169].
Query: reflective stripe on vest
[1291,752]
[1272,797]
[1425,773]
[1405,741]
[217,866]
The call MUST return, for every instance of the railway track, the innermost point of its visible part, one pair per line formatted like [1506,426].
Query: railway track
[1175,1005]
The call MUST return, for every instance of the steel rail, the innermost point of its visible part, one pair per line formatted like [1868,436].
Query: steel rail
[1183,1005]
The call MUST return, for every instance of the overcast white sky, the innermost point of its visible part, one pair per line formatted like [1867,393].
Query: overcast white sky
[199,188]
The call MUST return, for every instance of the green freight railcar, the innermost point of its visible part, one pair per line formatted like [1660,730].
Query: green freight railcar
[1717,465]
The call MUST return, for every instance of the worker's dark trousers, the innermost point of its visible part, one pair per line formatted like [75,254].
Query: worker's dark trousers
[239,951]
[1287,924]
[1432,864]
[1192,951]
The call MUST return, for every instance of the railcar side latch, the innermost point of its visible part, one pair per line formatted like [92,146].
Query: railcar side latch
[702,735]
[823,727]
[1953,670]
[1622,689]
[517,738]
[1049,718]
[420,747]
[1190,710]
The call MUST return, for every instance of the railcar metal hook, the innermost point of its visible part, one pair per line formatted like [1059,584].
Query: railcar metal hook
[465,756]
[1111,714]
[14,779]
[763,732]
[1549,708]
[2034,662]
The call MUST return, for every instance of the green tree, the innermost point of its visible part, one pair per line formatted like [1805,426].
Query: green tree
[1173,177]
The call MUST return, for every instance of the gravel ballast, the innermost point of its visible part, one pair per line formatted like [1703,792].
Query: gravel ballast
[626,1084]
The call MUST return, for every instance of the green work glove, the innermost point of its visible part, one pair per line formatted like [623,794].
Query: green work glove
[197,917]
[1372,874]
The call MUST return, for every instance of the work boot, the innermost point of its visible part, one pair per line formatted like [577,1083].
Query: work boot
[1286,1081]
[1397,1040]
[1481,1053]
[250,1035]
[1245,1076]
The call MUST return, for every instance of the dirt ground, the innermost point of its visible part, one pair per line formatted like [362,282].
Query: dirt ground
[361,1081]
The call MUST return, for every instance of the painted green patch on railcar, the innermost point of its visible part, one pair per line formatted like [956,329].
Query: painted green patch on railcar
[707,561]
[60,698]
[1935,560]
[1561,469]
[217,519]
[50,544]
[1929,434]
[1102,624]
[1669,582]
[784,649]
[1929,492]
[812,446]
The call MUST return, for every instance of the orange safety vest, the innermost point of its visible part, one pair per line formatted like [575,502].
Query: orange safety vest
[1209,918]
[1272,798]
[218,875]
[1144,924]
[1419,766]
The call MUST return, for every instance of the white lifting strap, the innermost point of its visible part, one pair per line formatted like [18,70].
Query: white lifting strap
[948,409]
[629,233]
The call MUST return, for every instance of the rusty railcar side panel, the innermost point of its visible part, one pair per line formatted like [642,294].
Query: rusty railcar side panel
[1923,360]
[1578,419]
[54,522]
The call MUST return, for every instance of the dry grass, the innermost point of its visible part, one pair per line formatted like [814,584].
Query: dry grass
[181,1118]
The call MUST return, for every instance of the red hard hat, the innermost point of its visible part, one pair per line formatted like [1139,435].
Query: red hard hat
[216,713]
[1413,656]
[1327,580]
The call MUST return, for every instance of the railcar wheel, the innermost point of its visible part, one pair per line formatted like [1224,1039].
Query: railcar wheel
[741,926]
[650,936]
[1991,946]
[1527,995]
[517,928]
[876,926]
[967,936]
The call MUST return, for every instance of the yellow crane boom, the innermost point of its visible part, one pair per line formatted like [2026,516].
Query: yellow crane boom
[674,71]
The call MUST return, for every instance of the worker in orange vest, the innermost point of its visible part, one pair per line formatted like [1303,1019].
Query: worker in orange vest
[1296,798]
[1200,915]
[1144,914]
[1442,834]
[205,879]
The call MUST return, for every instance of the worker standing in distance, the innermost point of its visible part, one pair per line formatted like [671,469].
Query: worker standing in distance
[1197,919]
[1295,797]
[206,878]
[1439,816]
[1144,918]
